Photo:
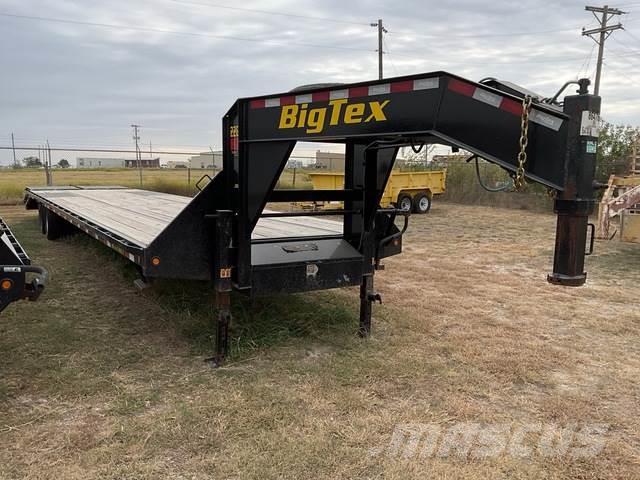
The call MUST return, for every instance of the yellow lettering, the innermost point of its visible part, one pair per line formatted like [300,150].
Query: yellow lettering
[288,116]
[353,113]
[303,115]
[335,111]
[316,120]
[376,111]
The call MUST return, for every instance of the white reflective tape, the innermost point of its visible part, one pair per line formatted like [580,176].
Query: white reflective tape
[272,102]
[487,97]
[426,83]
[337,94]
[546,120]
[380,89]
[306,98]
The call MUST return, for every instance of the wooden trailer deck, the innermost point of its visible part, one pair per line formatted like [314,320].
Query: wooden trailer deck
[139,216]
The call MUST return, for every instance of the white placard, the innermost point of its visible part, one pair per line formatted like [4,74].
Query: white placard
[590,124]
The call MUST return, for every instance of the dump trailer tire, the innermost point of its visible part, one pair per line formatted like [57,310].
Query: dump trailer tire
[421,203]
[405,202]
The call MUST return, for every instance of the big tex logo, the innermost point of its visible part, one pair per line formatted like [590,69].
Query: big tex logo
[338,112]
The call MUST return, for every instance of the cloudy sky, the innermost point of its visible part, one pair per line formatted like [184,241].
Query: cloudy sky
[78,73]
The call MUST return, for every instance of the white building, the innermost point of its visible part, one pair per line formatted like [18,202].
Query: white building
[177,164]
[206,160]
[332,161]
[87,162]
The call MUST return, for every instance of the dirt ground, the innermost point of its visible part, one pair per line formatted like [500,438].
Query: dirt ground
[101,381]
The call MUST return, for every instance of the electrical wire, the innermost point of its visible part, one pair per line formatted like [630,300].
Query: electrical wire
[504,188]
[267,12]
[483,35]
[176,32]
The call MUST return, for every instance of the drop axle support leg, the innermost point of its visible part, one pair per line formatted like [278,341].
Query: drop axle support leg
[223,304]
[367,297]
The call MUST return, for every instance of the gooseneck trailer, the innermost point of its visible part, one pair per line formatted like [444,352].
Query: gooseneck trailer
[225,235]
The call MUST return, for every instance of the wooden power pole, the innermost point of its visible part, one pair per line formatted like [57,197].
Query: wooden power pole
[381,32]
[603,32]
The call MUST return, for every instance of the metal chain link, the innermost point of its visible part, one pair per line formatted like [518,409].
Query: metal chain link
[519,180]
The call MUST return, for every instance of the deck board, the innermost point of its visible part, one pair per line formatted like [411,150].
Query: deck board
[140,215]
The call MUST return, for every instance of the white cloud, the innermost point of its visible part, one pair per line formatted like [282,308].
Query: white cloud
[75,83]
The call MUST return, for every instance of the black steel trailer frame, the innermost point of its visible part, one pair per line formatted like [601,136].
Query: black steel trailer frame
[15,265]
[211,239]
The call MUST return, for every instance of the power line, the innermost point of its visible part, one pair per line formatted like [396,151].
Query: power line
[267,12]
[176,32]
[96,150]
[631,35]
[482,35]
[509,62]
[587,62]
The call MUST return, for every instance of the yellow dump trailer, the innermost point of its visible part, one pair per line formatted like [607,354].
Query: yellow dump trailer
[407,190]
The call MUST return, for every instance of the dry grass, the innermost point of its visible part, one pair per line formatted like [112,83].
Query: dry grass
[176,181]
[99,381]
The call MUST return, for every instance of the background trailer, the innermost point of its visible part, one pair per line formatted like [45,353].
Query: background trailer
[225,235]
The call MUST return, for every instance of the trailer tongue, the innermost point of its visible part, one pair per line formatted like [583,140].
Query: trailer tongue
[217,235]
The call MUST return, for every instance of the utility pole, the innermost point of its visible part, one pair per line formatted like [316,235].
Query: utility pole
[13,147]
[381,32]
[49,172]
[604,31]
[136,138]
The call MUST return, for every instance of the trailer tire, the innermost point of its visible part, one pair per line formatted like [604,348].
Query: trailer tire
[54,225]
[42,212]
[404,202]
[421,203]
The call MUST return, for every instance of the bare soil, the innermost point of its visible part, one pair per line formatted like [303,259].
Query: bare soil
[98,380]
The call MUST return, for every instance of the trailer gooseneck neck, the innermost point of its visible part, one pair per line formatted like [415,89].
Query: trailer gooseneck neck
[218,235]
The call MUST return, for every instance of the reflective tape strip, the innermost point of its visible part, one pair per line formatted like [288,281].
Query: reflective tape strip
[338,94]
[546,120]
[351,92]
[380,89]
[487,97]
[503,103]
[307,98]
[272,102]
[426,83]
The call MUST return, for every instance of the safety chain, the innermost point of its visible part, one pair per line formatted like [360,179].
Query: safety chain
[519,180]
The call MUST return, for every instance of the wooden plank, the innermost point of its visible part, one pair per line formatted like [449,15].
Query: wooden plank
[140,215]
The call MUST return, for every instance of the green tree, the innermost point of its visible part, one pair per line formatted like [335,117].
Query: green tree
[32,162]
[63,163]
[614,147]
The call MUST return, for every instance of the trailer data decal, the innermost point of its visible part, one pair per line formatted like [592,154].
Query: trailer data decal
[340,112]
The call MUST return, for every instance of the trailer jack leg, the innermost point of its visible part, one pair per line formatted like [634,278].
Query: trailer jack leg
[223,304]
[367,297]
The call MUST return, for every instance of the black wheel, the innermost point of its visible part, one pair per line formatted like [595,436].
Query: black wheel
[42,217]
[54,225]
[404,202]
[421,203]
